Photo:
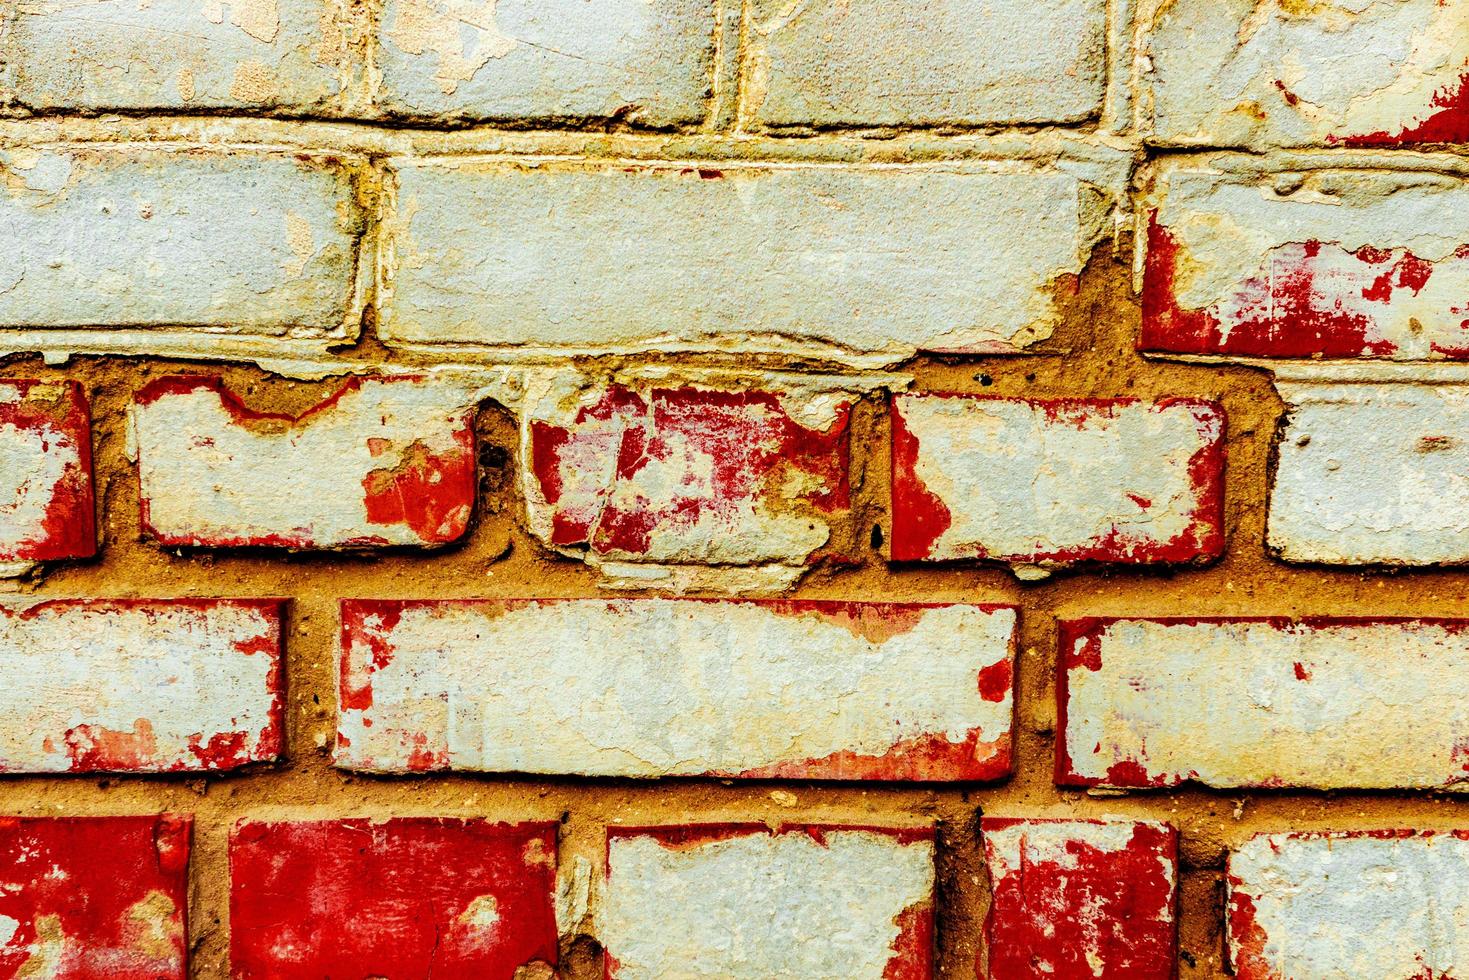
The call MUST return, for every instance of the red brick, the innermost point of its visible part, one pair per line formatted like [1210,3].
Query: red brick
[688,475]
[447,898]
[1080,899]
[46,499]
[140,685]
[382,461]
[1052,483]
[94,898]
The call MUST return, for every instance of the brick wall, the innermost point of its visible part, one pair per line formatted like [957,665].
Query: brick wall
[708,489]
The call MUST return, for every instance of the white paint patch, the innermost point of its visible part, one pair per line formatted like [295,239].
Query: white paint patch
[33,462]
[1353,705]
[680,687]
[141,686]
[209,477]
[748,907]
[1028,481]
[1348,906]
[573,257]
[914,62]
[1372,473]
[1272,73]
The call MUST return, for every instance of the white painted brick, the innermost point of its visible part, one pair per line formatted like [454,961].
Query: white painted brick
[239,243]
[1367,72]
[380,462]
[1372,473]
[647,62]
[842,262]
[682,687]
[1354,905]
[1252,262]
[739,902]
[137,685]
[1051,483]
[915,62]
[46,498]
[180,54]
[1320,703]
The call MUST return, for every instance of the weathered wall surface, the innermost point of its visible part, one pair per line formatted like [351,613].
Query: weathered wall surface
[710,489]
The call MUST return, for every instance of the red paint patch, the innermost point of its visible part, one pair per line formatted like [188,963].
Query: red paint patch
[927,758]
[1294,307]
[95,898]
[451,899]
[1449,123]
[58,412]
[431,493]
[919,517]
[1093,914]
[731,453]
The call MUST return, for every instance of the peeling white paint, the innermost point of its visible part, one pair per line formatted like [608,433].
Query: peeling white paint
[644,61]
[913,62]
[389,462]
[1374,473]
[32,463]
[679,687]
[1349,906]
[1327,706]
[138,687]
[747,907]
[834,262]
[1298,72]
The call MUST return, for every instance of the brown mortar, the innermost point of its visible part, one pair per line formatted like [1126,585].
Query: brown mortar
[1091,355]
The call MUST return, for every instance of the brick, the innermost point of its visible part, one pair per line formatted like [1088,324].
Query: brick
[687,475]
[916,63]
[1293,703]
[1342,263]
[382,461]
[179,55]
[418,897]
[1236,72]
[140,685]
[1372,474]
[787,689]
[743,902]
[646,62]
[1349,904]
[46,499]
[839,262]
[1051,483]
[82,898]
[1080,899]
[241,243]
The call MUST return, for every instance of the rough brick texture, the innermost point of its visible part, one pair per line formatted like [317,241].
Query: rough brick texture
[1373,903]
[782,689]
[1088,898]
[386,461]
[447,898]
[1056,482]
[46,500]
[743,902]
[84,898]
[136,685]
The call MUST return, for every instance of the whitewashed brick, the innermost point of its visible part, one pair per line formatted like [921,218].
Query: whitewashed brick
[842,262]
[1294,73]
[919,63]
[383,461]
[46,499]
[145,239]
[1352,905]
[180,54]
[1318,703]
[1335,262]
[681,687]
[647,62]
[1051,483]
[740,902]
[138,685]
[1372,474]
